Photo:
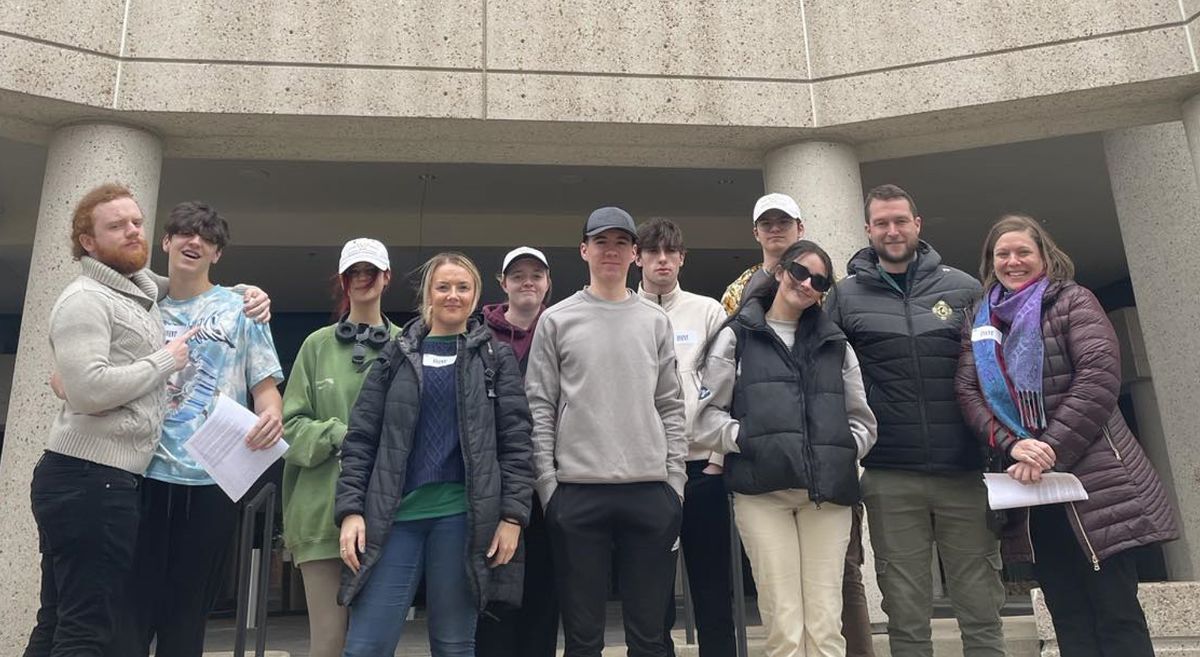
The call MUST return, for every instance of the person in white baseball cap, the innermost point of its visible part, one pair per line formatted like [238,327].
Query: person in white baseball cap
[777,225]
[364,249]
[532,629]
[321,390]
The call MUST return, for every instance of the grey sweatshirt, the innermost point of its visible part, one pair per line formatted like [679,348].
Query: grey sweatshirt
[605,396]
[106,336]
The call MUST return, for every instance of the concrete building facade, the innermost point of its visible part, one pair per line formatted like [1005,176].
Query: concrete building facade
[481,124]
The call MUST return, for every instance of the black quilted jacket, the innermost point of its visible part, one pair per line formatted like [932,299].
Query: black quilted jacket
[907,343]
[495,446]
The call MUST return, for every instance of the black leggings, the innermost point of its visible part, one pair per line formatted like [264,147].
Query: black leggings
[1095,613]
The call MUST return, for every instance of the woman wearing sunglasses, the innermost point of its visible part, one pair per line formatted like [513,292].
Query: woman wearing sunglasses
[783,397]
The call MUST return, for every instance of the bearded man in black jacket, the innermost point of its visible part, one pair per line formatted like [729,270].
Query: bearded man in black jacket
[902,311]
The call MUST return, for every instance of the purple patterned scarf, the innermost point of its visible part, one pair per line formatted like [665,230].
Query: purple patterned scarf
[1011,377]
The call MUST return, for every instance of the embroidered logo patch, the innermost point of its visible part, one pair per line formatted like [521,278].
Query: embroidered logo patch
[942,310]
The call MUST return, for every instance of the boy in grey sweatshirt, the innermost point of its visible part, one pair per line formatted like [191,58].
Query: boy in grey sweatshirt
[609,445]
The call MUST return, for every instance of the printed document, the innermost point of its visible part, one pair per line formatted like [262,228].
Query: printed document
[1004,492]
[219,446]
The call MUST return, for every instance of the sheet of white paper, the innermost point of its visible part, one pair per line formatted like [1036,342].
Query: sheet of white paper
[219,446]
[1004,492]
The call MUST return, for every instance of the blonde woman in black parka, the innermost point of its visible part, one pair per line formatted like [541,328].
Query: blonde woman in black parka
[436,474]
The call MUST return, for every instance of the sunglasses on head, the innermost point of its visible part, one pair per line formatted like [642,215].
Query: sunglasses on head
[818,282]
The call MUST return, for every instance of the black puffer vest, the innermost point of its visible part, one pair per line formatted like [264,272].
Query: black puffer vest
[792,409]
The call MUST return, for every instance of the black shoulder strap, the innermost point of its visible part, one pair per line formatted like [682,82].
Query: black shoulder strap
[489,367]
[387,354]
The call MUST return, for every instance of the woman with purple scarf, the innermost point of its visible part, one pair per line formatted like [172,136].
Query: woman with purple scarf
[1038,382]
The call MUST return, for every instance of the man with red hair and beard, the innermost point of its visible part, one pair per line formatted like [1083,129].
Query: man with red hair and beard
[106,338]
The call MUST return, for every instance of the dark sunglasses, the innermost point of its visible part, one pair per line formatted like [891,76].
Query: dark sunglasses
[818,282]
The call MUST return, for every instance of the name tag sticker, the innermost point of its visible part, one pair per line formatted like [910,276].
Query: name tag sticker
[686,337]
[981,333]
[434,360]
[172,331]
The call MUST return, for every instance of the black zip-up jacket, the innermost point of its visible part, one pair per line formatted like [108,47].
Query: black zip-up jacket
[907,343]
[494,436]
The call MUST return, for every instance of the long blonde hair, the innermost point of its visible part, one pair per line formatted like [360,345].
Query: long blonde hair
[427,270]
[1059,266]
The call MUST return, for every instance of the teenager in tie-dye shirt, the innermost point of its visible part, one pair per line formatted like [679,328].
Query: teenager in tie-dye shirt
[188,521]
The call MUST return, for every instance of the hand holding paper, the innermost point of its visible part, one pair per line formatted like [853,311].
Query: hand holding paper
[219,446]
[1004,492]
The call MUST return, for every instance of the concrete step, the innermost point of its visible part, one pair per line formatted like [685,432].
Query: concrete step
[1020,633]
[288,637]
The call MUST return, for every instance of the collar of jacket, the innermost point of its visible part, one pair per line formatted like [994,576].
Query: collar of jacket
[137,285]
[416,330]
[665,300]
[815,326]
[864,266]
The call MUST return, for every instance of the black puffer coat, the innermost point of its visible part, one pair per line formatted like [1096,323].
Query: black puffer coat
[497,452]
[907,343]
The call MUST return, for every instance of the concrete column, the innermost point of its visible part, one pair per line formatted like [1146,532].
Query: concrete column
[824,179]
[79,158]
[1154,184]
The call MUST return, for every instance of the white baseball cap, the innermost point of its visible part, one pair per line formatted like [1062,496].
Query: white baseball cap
[523,252]
[364,249]
[781,202]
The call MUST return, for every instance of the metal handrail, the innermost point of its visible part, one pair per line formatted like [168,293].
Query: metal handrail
[739,593]
[263,502]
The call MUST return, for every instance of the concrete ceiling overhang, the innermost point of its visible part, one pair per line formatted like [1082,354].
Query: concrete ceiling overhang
[32,119]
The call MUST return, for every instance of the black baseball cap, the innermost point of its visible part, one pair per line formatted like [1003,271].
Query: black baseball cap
[609,218]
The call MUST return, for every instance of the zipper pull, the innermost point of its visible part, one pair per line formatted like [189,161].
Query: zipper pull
[1095,564]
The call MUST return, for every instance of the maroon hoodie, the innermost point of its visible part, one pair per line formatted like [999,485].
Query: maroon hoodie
[518,338]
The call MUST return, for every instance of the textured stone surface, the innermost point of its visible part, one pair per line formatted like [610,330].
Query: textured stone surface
[89,24]
[848,36]
[46,70]
[1157,200]
[720,38]
[423,33]
[1008,76]
[647,100]
[80,157]
[250,89]
[1190,7]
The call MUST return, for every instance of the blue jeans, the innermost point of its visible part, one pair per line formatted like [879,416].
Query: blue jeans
[434,547]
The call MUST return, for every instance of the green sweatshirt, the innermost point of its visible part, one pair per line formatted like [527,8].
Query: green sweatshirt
[321,390]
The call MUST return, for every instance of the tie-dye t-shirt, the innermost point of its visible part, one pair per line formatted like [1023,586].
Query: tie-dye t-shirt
[230,354]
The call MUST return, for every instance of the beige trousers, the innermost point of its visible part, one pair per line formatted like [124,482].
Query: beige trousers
[798,553]
[326,618]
